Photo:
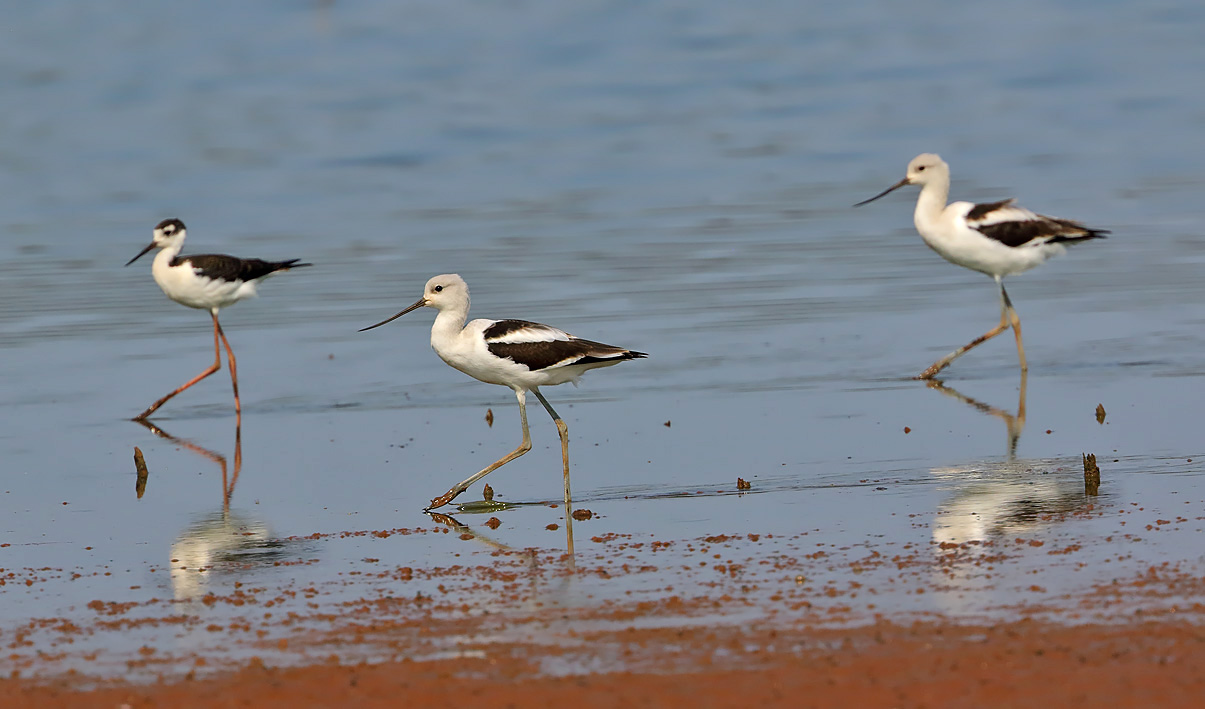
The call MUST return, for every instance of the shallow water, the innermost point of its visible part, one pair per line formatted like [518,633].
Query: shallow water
[673,179]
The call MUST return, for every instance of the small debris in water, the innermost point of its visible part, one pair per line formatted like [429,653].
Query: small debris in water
[140,466]
[1091,475]
[488,493]
[1100,413]
[1049,431]
[489,421]
[667,423]
[907,429]
[743,484]
[493,523]
[582,515]
[553,527]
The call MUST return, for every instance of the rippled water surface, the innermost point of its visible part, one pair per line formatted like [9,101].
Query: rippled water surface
[674,178]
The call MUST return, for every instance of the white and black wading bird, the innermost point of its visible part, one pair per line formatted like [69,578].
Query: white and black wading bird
[512,353]
[206,282]
[997,238]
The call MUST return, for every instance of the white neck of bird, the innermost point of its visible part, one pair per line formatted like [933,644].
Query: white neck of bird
[448,324]
[931,202]
[172,248]
[168,252]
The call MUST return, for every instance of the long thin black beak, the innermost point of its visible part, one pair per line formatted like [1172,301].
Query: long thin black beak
[421,302]
[887,191]
[141,253]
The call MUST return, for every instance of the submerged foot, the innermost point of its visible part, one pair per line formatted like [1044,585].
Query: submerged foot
[930,372]
[443,499]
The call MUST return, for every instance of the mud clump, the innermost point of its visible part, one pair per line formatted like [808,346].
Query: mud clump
[743,484]
[493,523]
[1091,475]
[143,473]
[582,515]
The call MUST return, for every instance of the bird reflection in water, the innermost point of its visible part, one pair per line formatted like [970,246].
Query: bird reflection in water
[1000,499]
[221,543]
[545,591]
[473,507]
[991,503]
[1014,423]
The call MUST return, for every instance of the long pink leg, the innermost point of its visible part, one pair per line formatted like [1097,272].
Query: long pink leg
[238,408]
[217,364]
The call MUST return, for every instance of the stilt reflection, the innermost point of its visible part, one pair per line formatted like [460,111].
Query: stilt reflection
[222,543]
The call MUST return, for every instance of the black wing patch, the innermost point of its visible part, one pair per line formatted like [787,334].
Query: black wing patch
[1047,229]
[542,355]
[979,211]
[231,268]
[502,328]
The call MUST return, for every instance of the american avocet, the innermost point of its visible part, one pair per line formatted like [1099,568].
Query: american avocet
[206,282]
[513,353]
[998,239]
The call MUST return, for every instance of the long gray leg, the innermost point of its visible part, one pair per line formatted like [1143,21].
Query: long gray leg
[1015,321]
[1005,309]
[563,429]
[523,448]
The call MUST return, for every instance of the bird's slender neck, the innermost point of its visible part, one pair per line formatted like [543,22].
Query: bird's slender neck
[449,324]
[931,202]
[171,249]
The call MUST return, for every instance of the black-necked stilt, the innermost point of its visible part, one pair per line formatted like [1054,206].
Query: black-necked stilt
[998,238]
[513,353]
[207,282]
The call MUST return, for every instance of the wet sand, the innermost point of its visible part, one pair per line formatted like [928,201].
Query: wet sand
[728,621]
[928,664]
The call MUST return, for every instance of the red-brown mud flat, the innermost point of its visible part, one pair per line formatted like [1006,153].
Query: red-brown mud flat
[723,620]
[927,664]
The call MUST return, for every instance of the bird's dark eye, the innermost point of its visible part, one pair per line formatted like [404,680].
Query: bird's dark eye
[438,289]
[920,168]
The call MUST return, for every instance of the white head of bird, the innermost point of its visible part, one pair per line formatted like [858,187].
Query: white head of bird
[925,169]
[445,293]
[168,234]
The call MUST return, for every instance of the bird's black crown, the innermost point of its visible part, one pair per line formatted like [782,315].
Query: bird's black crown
[174,224]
